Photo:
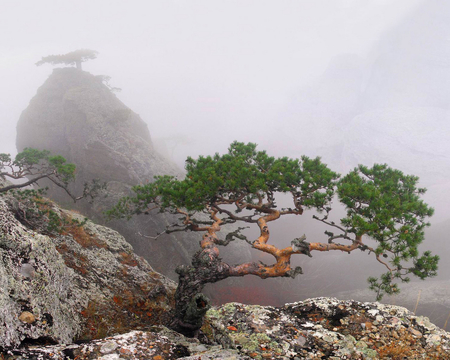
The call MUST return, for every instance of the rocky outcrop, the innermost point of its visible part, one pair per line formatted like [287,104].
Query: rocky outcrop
[327,328]
[74,114]
[403,113]
[320,328]
[159,344]
[429,298]
[64,279]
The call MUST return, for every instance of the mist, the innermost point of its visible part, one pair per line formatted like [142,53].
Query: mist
[352,82]
[216,70]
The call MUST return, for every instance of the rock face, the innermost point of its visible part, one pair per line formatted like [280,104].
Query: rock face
[78,283]
[390,107]
[74,114]
[403,115]
[320,328]
[327,328]
[160,344]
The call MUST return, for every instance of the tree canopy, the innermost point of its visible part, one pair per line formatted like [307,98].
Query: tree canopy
[72,58]
[383,207]
[34,165]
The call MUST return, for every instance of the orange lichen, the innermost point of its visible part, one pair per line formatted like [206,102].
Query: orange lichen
[80,235]
[117,300]
[127,259]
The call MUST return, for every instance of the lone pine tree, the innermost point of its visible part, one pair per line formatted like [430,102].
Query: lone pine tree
[241,187]
[76,57]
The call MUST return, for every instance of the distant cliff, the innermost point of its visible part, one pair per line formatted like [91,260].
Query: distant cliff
[390,106]
[74,114]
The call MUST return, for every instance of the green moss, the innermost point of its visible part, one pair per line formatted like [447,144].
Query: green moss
[224,311]
[213,313]
[229,308]
[255,342]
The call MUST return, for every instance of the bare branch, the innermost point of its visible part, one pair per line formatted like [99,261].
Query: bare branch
[22,185]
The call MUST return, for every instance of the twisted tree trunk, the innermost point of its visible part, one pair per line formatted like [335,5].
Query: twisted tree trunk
[207,267]
[190,304]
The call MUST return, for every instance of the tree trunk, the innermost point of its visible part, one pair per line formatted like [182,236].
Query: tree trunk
[78,63]
[190,304]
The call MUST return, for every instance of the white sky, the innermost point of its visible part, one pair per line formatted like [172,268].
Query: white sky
[203,72]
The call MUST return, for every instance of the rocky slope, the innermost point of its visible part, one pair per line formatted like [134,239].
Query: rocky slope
[320,328]
[74,114]
[79,282]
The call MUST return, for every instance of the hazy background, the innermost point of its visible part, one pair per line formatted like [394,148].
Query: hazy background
[351,81]
[200,73]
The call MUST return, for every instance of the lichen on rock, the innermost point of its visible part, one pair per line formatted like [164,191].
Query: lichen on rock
[325,328]
[82,283]
[319,328]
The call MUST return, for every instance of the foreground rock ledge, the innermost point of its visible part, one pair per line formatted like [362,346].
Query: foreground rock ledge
[80,284]
[320,328]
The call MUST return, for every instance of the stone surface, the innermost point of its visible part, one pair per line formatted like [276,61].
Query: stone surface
[160,344]
[429,298]
[320,328]
[82,283]
[326,328]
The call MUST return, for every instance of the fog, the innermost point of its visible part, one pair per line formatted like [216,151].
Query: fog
[213,70]
[351,81]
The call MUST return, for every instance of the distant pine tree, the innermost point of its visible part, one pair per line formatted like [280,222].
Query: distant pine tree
[75,57]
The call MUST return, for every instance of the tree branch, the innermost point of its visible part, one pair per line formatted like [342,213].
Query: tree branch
[22,185]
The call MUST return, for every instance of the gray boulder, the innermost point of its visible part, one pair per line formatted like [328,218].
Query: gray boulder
[79,283]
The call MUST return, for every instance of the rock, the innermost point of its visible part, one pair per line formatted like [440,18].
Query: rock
[314,328]
[392,106]
[27,270]
[108,347]
[324,327]
[75,115]
[433,296]
[160,344]
[27,317]
[82,283]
